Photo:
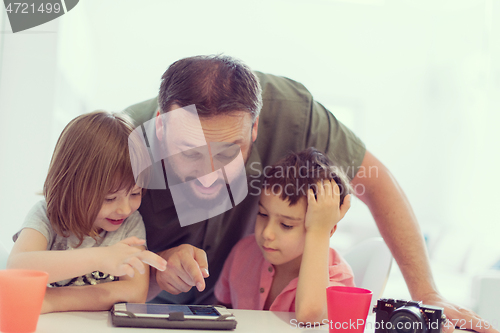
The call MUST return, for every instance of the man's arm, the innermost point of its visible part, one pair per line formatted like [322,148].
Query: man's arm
[397,223]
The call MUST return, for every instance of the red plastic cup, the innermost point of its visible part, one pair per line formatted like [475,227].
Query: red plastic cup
[21,298]
[347,309]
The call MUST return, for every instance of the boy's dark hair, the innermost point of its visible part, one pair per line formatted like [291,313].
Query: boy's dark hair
[296,173]
[216,84]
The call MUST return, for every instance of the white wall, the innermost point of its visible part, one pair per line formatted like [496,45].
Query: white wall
[27,91]
[416,80]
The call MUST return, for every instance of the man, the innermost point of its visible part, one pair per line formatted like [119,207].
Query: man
[265,125]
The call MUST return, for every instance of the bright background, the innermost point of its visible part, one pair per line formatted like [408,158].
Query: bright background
[417,80]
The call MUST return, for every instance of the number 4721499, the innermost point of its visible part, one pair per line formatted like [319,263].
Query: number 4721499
[464,324]
[25,8]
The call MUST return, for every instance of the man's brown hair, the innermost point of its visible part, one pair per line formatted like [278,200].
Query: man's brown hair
[216,84]
[296,173]
[90,160]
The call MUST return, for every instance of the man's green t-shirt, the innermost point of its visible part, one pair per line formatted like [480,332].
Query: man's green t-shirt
[290,120]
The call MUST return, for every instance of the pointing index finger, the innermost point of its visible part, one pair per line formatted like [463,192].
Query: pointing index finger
[193,272]
[153,260]
[201,258]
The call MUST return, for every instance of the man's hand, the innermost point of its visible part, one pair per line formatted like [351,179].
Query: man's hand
[187,267]
[459,317]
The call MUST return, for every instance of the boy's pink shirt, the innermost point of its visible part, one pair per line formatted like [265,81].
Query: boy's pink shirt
[247,277]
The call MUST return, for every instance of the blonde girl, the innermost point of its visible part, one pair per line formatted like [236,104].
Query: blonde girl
[87,233]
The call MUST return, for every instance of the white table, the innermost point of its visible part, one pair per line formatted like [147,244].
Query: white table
[249,321]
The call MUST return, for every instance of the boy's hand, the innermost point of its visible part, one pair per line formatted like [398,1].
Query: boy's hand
[323,212]
[121,258]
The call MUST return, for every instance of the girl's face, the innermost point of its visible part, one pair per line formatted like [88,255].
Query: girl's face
[116,208]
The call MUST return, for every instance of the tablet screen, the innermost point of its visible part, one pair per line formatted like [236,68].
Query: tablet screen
[162,309]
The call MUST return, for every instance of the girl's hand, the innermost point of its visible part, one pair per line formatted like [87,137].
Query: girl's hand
[323,212]
[121,258]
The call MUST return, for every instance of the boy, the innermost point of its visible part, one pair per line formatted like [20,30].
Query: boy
[288,264]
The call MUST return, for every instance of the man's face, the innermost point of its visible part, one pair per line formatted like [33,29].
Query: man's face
[200,153]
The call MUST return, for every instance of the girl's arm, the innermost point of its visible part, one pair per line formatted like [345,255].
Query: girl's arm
[322,217]
[97,297]
[30,252]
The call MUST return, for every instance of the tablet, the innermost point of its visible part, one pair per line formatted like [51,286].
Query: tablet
[172,316]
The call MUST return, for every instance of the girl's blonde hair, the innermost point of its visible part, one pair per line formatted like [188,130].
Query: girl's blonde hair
[91,159]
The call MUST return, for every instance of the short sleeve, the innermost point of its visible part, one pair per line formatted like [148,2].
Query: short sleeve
[222,287]
[339,270]
[134,226]
[291,120]
[338,142]
[143,111]
[37,219]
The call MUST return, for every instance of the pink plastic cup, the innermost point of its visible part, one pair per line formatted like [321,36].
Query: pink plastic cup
[347,309]
[21,297]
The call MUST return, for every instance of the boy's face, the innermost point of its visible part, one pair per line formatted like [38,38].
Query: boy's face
[280,231]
